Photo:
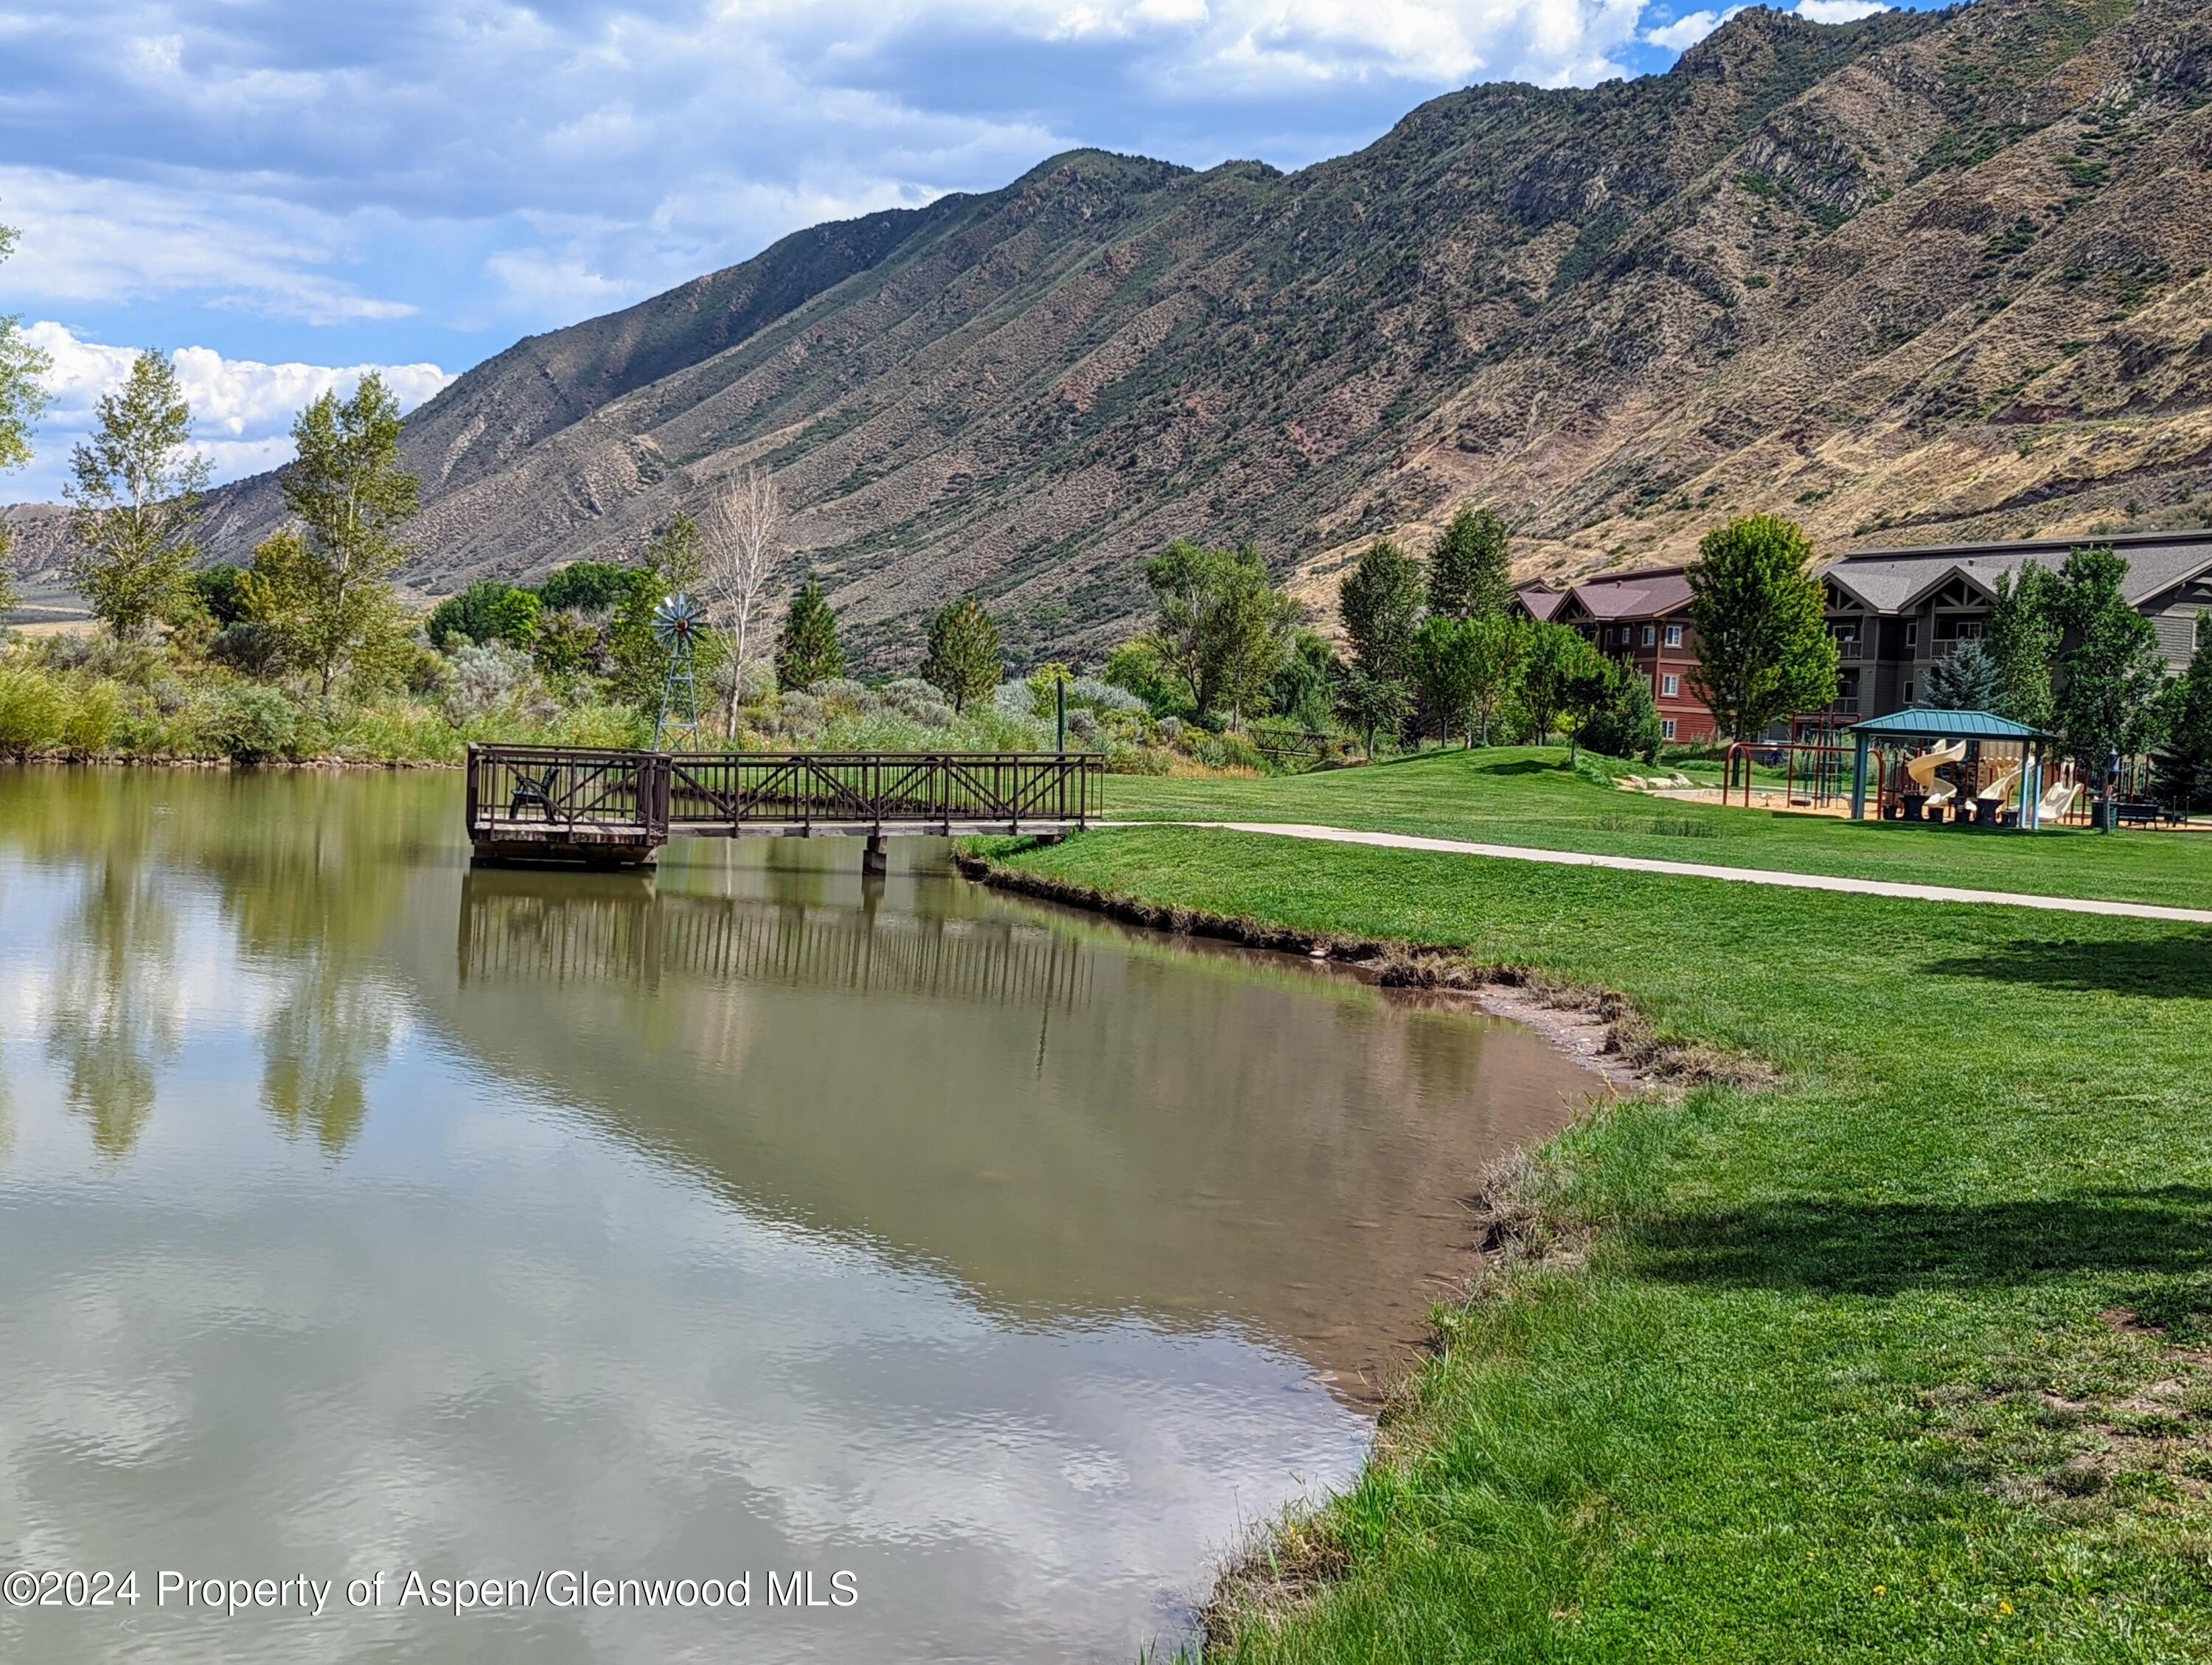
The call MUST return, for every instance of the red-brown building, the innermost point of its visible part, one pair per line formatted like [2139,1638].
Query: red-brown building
[1642,618]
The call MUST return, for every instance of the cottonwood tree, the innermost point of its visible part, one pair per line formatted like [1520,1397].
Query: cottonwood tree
[1222,629]
[1466,668]
[808,651]
[742,534]
[2024,634]
[1471,568]
[964,661]
[2109,698]
[1765,650]
[1370,703]
[1380,601]
[22,397]
[1554,656]
[324,584]
[133,487]
[1597,696]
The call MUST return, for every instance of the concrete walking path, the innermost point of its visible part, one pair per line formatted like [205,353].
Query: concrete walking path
[1630,864]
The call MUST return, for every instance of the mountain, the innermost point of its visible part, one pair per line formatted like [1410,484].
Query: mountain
[1925,276]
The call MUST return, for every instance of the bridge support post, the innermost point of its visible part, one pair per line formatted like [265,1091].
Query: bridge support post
[876,859]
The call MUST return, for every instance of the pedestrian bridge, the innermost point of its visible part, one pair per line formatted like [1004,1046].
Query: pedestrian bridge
[580,805]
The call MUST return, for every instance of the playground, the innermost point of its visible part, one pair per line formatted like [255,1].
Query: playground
[1959,769]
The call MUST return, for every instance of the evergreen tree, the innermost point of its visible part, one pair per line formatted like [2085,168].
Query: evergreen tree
[133,487]
[2023,640]
[1622,719]
[964,661]
[1765,650]
[2185,764]
[2109,701]
[326,585]
[1970,680]
[807,651]
[1379,600]
[1471,568]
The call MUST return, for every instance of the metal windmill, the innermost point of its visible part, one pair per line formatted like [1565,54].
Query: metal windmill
[677,622]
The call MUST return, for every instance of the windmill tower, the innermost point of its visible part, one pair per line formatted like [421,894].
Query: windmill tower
[677,623]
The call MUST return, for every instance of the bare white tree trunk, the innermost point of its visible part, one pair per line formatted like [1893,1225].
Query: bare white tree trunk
[741,532]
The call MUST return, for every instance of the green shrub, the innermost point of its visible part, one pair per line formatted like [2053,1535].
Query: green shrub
[90,717]
[32,712]
[252,725]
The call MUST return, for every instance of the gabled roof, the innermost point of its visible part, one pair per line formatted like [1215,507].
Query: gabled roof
[1922,723]
[1540,603]
[1891,580]
[1645,594]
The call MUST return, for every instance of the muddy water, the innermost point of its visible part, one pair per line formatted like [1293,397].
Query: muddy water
[362,1215]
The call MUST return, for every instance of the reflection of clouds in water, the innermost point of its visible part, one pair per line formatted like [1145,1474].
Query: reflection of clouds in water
[534,1353]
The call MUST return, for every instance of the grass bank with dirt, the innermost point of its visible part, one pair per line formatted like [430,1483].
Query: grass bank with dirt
[1907,1355]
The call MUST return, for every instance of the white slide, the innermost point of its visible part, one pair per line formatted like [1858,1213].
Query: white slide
[2059,797]
[1922,770]
[1998,793]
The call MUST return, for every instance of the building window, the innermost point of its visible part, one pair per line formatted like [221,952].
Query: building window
[1908,693]
[1666,728]
[1650,635]
[1911,635]
[1674,635]
[1670,686]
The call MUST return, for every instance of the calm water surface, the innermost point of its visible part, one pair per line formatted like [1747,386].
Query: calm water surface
[362,1214]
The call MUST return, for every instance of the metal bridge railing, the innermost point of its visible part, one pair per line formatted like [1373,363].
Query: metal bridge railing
[567,790]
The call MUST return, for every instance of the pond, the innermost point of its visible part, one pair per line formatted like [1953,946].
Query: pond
[976,1269]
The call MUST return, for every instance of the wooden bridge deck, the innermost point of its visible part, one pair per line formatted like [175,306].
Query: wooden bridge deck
[607,808]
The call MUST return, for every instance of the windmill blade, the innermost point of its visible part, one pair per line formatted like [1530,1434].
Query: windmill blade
[677,617]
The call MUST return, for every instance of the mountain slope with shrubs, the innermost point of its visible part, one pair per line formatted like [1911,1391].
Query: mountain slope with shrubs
[1919,277]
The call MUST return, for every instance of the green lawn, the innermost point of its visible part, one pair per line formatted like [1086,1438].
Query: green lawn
[1910,1358]
[1526,796]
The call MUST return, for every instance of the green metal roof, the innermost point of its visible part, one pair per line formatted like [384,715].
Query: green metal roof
[1919,722]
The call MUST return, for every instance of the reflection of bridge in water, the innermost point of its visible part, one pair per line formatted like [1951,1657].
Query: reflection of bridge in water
[620,930]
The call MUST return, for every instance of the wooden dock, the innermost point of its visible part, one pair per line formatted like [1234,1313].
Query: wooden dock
[583,805]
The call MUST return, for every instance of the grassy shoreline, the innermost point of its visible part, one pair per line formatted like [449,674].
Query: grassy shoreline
[1908,1355]
[1527,796]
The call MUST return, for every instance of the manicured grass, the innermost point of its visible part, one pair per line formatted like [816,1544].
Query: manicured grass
[1526,796]
[1910,1358]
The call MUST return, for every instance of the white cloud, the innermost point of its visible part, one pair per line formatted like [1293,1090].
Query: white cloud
[242,410]
[1837,11]
[1684,32]
[293,161]
[93,240]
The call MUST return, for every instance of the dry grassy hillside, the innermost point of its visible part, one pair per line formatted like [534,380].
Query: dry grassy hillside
[1923,276]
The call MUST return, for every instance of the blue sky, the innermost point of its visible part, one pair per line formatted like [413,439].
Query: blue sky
[295,192]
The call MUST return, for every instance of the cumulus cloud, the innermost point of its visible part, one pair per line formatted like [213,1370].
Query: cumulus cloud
[1838,11]
[242,410]
[1684,32]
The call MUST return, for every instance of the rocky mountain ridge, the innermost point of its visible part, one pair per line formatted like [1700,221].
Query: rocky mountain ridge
[1923,276]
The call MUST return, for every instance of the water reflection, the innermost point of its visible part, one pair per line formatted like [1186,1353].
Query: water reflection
[1070,1118]
[367,1213]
